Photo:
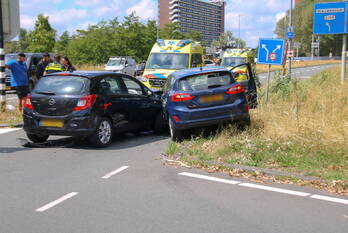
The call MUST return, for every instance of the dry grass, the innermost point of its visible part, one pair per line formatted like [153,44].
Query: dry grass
[11,118]
[264,68]
[90,67]
[303,129]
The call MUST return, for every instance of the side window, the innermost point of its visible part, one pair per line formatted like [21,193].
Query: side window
[110,86]
[133,87]
[196,60]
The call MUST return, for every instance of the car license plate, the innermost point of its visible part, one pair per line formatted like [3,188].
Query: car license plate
[211,98]
[52,123]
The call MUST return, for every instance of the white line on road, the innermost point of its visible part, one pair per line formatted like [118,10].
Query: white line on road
[8,130]
[107,176]
[279,190]
[208,178]
[332,199]
[56,202]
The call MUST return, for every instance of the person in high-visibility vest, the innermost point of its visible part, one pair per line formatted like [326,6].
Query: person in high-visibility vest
[54,66]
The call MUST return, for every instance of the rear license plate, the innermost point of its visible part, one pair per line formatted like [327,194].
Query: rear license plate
[52,123]
[211,98]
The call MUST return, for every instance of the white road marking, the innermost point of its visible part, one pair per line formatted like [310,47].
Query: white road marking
[56,202]
[279,190]
[8,130]
[107,176]
[332,199]
[208,178]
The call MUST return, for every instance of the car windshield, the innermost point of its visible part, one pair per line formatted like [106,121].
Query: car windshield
[170,61]
[205,81]
[232,61]
[62,85]
[115,62]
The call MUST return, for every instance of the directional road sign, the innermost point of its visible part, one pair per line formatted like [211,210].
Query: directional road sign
[271,51]
[330,18]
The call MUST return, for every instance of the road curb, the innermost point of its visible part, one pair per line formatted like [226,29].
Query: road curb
[15,125]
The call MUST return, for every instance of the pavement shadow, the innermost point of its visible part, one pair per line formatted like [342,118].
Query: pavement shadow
[9,150]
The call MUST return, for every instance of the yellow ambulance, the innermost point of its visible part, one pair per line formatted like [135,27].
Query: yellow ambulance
[235,57]
[168,56]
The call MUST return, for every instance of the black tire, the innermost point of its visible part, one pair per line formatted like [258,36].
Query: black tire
[175,134]
[159,125]
[37,138]
[243,125]
[102,136]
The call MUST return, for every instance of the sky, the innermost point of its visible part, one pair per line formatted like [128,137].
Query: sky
[258,17]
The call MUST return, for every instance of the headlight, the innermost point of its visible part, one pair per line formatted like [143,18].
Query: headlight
[144,80]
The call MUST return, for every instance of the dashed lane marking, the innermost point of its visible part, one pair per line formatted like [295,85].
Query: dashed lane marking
[8,130]
[266,188]
[56,202]
[107,176]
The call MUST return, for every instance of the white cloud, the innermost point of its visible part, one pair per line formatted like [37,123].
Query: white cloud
[67,16]
[27,22]
[145,9]
[87,3]
[280,15]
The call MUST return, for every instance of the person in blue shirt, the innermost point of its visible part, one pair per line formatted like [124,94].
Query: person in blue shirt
[19,78]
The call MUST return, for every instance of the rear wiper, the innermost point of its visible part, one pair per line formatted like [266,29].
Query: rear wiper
[214,86]
[45,92]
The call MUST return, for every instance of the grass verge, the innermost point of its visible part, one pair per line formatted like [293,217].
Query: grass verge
[10,118]
[303,129]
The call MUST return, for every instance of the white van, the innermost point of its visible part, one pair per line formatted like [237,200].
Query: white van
[124,65]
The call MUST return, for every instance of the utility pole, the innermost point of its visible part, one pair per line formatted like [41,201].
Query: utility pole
[344,54]
[2,65]
[239,41]
[290,40]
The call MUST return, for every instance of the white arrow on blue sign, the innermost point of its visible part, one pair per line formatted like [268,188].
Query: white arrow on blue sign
[271,51]
[330,18]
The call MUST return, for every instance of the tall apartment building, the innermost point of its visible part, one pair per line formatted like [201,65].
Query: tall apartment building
[206,17]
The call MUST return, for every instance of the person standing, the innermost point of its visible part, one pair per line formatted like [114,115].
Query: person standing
[54,66]
[40,68]
[19,78]
[67,64]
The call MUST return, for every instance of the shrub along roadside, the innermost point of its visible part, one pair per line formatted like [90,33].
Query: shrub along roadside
[304,129]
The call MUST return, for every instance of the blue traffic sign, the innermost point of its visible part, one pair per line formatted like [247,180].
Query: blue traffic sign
[330,18]
[271,51]
[291,35]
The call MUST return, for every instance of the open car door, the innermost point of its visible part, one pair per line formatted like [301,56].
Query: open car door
[243,74]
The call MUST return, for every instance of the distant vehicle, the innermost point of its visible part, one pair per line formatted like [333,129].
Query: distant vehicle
[32,60]
[123,65]
[199,97]
[209,63]
[90,105]
[168,56]
[139,70]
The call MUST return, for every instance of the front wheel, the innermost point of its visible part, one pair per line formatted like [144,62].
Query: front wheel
[103,135]
[175,134]
[37,138]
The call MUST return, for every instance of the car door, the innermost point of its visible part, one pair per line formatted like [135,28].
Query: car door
[115,102]
[243,74]
[145,104]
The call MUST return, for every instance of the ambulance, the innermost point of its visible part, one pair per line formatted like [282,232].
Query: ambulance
[168,56]
[235,57]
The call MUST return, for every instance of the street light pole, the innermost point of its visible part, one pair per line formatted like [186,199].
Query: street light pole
[289,39]
[2,65]
[239,42]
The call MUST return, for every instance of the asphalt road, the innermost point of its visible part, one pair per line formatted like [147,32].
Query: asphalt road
[69,188]
[300,73]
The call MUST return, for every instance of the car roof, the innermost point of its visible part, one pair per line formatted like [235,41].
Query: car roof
[85,74]
[196,71]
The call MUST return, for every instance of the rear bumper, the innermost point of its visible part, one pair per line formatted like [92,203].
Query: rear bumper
[195,118]
[73,125]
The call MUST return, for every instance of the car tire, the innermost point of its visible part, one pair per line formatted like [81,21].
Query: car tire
[175,134]
[37,138]
[159,125]
[102,136]
[243,125]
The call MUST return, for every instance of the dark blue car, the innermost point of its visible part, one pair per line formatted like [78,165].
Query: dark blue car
[200,97]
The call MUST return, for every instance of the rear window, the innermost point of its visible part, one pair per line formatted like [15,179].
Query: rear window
[62,85]
[205,81]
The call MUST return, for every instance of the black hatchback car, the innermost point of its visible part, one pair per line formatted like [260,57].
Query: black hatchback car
[90,104]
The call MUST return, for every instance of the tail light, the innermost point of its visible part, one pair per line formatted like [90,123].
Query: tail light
[27,103]
[235,89]
[85,102]
[247,108]
[176,118]
[180,97]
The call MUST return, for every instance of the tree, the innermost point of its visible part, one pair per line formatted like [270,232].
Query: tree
[23,40]
[171,31]
[227,40]
[62,43]
[193,35]
[43,37]
[11,47]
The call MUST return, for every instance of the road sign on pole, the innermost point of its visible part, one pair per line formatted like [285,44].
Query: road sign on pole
[332,18]
[271,51]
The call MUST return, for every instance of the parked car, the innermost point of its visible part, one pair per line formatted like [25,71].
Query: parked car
[199,97]
[32,60]
[123,65]
[90,104]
